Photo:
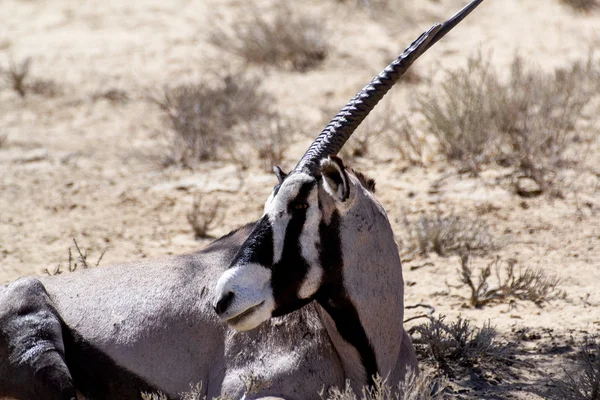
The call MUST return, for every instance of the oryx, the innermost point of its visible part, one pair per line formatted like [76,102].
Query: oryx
[313,291]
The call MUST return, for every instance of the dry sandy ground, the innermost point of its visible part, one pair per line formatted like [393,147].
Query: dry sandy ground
[77,165]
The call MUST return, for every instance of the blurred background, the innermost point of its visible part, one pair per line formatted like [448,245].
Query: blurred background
[141,129]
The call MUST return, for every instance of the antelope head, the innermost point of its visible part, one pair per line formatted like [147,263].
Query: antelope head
[294,254]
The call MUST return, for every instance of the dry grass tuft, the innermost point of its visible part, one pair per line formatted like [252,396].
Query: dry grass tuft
[582,380]
[195,393]
[203,217]
[203,116]
[113,95]
[422,387]
[525,284]
[270,137]
[16,75]
[449,235]
[280,36]
[582,5]
[18,79]
[80,261]
[406,142]
[458,344]
[525,122]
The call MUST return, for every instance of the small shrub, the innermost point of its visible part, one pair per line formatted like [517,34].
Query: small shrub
[449,235]
[270,137]
[281,37]
[202,217]
[44,87]
[582,380]
[405,141]
[203,116]
[16,75]
[528,284]
[113,95]
[18,79]
[458,117]
[82,260]
[425,386]
[458,344]
[523,122]
[582,5]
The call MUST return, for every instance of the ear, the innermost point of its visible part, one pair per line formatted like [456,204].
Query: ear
[279,173]
[335,179]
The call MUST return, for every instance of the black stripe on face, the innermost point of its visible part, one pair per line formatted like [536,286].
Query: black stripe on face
[332,296]
[290,271]
[258,248]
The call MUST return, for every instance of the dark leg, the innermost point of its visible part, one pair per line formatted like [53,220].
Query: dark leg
[32,361]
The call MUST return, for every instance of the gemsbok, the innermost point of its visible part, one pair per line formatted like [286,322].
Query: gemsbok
[307,297]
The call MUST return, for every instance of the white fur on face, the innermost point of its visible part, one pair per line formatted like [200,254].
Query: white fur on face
[276,210]
[309,242]
[253,300]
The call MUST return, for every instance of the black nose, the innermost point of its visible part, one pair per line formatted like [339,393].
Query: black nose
[223,303]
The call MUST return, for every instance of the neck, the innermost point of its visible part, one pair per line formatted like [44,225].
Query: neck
[363,298]
[350,340]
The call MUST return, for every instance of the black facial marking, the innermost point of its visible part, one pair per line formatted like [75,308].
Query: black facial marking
[258,248]
[289,273]
[332,296]
[96,375]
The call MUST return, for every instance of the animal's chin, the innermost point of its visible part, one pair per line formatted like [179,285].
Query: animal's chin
[249,319]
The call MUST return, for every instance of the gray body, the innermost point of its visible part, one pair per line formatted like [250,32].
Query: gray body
[155,320]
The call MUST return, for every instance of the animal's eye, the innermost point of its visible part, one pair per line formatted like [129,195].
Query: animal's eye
[300,206]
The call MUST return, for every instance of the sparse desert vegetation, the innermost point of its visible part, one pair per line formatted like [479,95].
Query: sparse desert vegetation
[80,261]
[511,283]
[202,115]
[486,159]
[424,386]
[16,74]
[458,344]
[17,77]
[581,378]
[449,235]
[203,216]
[525,121]
[207,120]
[582,5]
[280,36]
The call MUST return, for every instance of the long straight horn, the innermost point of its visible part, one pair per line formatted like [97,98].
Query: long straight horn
[338,131]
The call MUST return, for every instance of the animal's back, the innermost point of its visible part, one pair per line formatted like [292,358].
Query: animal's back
[151,317]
